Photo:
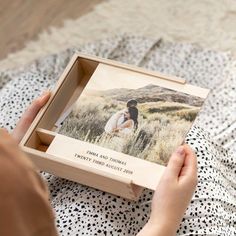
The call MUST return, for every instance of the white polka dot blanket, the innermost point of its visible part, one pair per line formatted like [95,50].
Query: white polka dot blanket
[81,210]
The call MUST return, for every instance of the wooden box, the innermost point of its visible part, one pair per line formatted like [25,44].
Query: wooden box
[42,133]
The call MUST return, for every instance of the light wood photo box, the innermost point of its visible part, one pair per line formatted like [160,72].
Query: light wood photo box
[42,131]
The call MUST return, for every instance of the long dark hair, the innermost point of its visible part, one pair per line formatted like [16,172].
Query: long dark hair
[133,111]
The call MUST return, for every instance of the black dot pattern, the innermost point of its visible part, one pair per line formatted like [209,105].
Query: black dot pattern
[81,210]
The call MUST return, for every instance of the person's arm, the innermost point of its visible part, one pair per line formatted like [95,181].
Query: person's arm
[126,124]
[111,124]
[24,199]
[173,194]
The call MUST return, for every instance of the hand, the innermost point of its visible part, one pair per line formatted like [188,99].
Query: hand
[29,115]
[173,193]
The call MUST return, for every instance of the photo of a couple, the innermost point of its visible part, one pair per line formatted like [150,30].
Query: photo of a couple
[132,116]
[124,121]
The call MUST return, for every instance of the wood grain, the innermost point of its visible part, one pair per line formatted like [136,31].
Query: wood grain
[22,20]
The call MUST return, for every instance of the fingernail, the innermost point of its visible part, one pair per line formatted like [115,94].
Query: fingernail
[44,94]
[180,151]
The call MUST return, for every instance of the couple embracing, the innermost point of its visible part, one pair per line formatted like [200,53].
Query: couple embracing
[124,121]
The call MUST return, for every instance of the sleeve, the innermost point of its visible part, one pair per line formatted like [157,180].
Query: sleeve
[112,122]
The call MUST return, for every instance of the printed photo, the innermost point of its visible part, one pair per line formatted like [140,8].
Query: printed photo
[132,115]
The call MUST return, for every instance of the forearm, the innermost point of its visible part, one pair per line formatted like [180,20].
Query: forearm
[151,229]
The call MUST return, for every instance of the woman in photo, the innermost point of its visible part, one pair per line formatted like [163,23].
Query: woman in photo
[129,123]
[117,120]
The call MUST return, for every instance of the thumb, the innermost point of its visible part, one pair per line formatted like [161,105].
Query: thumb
[176,162]
[29,115]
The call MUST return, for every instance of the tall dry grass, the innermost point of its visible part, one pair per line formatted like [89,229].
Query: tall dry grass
[162,127]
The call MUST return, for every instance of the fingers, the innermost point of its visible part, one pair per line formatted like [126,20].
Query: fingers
[176,162]
[29,115]
[190,163]
[182,168]
[34,108]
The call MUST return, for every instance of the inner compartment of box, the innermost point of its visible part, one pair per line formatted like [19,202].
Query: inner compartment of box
[66,94]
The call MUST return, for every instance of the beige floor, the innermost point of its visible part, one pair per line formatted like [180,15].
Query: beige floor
[21,20]
[207,23]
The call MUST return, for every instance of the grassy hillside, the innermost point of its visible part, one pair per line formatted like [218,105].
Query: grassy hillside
[162,124]
[151,93]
